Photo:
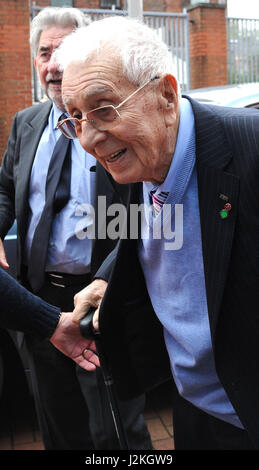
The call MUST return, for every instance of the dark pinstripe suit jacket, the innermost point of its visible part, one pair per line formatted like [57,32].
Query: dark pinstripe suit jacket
[227,151]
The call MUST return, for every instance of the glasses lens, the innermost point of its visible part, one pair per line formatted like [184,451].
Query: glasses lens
[68,128]
[103,118]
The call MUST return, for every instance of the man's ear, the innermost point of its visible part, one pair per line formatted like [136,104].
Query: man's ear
[35,63]
[169,88]
[169,97]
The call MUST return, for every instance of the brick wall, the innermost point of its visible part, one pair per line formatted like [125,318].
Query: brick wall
[15,64]
[208,45]
[175,6]
[86,3]
[77,3]
[154,5]
[148,5]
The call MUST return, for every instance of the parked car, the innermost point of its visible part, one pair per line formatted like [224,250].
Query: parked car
[236,96]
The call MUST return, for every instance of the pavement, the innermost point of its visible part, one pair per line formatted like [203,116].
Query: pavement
[19,427]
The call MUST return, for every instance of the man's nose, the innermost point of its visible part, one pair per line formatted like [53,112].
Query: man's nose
[89,137]
[52,65]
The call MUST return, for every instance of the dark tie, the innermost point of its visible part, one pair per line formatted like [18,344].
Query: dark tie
[57,194]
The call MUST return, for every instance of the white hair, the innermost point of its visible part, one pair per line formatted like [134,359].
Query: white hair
[55,16]
[142,53]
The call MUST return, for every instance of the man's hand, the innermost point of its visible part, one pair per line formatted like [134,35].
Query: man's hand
[68,340]
[3,260]
[90,296]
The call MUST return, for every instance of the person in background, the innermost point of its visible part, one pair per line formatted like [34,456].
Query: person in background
[48,184]
[183,295]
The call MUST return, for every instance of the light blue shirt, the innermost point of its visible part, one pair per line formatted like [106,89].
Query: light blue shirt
[70,243]
[176,285]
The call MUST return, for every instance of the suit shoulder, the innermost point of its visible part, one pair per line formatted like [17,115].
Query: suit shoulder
[32,111]
[242,114]
[223,112]
[241,131]
[241,123]
[238,123]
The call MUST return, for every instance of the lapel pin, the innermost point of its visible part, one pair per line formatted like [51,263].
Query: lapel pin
[225,211]
[224,197]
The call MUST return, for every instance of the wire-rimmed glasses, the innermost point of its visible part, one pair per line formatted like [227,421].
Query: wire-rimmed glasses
[103,118]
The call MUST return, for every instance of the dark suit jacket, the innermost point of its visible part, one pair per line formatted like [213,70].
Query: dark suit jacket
[227,151]
[26,132]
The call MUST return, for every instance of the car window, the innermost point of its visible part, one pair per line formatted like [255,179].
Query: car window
[253,105]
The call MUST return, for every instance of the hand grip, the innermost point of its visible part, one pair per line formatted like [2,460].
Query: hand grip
[86,325]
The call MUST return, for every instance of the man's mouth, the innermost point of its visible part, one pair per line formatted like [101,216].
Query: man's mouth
[115,156]
[55,82]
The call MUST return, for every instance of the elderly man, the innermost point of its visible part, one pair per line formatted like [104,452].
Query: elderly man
[194,288]
[50,186]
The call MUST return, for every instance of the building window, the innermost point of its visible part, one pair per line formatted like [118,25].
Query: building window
[62,3]
[110,4]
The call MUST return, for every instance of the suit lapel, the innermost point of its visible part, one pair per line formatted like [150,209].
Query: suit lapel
[216,186]
[217,233]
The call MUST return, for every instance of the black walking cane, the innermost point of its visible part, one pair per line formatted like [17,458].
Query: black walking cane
[87,331]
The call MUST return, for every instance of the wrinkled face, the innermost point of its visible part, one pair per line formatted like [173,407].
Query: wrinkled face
[140,146]
[49,75]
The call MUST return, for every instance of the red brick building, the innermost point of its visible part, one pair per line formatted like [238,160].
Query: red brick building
[148,5]
[207,37]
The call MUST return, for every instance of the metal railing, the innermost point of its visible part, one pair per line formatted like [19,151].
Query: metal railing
[171,27]
[174,31]
[243,50]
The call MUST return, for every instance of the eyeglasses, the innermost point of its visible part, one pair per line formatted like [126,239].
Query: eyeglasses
[102,119]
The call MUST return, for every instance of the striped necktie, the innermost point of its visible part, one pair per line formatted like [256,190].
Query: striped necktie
[158,199]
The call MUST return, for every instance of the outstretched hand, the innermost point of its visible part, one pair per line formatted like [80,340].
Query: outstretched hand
[68,340]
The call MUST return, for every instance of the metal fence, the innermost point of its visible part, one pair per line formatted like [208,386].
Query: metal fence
[174,31]
[171,27]
[243,50]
